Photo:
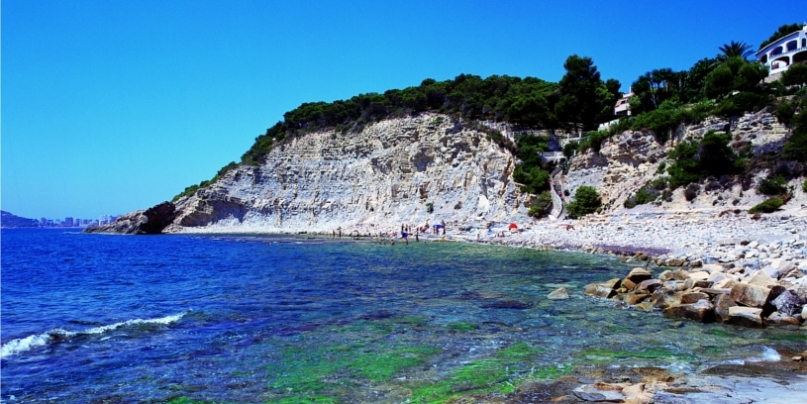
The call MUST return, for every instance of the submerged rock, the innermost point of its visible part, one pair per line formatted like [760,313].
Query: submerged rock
[558,294]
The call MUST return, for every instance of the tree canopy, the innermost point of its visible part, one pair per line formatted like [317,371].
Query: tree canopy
[782,31]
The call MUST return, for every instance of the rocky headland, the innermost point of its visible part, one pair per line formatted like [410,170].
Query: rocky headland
[430,169]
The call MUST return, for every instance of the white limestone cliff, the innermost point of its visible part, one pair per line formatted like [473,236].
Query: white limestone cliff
[371,181]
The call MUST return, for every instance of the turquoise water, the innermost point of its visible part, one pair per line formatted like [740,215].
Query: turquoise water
[283,319]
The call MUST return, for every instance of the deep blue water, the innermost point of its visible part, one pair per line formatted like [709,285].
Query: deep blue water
[231,318]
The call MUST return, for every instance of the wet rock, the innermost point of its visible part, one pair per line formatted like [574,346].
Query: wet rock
[750,295]
[628,284]
[603,290]
[507,304]
[558,294]
[593,394]
[777,318]
[745,316]
[649,285]
[693,297]
[722,304]
[702,311]
[634,298]
[638,275]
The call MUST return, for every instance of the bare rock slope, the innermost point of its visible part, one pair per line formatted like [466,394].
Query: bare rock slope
[410,170]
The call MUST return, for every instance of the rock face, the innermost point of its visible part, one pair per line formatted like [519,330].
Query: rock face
[150,221]
[413,170]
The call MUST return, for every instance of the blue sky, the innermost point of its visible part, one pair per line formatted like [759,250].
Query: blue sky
[113,106]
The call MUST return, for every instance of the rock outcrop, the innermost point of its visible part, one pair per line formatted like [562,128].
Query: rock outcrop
[150,221]
[415,170]
[773,295]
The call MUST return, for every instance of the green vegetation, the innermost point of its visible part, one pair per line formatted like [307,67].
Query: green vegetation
[604,356]
[586,201]
[541,205]
[773,186]
[650,192]
[462,326]
[193,188]
[488,375]
[795,75]
[768,206]
[804,186]
[529,173]
[694,161]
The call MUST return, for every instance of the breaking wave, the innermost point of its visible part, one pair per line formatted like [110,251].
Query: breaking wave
[20,345]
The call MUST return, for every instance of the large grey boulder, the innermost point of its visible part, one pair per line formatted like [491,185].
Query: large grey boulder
[745,316]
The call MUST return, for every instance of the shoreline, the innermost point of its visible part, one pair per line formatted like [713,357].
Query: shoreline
[697,234]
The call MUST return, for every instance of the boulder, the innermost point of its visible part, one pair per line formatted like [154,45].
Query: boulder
[786,303]
[781,266]
[628,284]
[724,284]
[649,285]
[750,295]
[745,316]
[589,392]
[637,275]
[698,276]
[645,306]
[664,299]
[713,268]
[633,298]
[666,275]
[722,304]
[693,297]
[558,294]
[680,274]
[675,262]
[599,290]
[702,311]
[777,318]
[692,283]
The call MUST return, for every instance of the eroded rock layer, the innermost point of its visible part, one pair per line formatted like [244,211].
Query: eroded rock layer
[410,170]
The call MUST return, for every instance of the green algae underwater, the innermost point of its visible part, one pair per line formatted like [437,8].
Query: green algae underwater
[477,321]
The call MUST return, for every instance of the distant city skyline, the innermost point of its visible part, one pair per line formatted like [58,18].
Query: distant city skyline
[68,221]
[118,106]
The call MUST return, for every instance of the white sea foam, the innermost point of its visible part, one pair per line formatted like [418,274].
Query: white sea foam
[768,355]
[20,345]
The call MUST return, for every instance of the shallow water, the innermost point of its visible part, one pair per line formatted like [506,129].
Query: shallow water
[284,319]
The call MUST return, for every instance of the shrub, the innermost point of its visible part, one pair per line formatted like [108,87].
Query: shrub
[534,179]
[569,149]
[691,192]
[785,112]
[773,186]
[541,205]
[661,167]
[429,207]
[768,206]
[586,201]
[804,186]
[712,156]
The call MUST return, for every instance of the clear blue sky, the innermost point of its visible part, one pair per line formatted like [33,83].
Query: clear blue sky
[113,106]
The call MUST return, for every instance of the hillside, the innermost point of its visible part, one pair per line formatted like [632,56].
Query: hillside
[9,220]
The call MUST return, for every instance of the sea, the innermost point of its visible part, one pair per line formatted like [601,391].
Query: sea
[89,318]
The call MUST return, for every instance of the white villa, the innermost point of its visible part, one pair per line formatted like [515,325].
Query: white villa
[784,52]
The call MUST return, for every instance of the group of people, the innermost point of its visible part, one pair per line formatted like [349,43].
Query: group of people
[406,230]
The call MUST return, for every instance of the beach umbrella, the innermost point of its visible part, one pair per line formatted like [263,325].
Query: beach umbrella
[513,226]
